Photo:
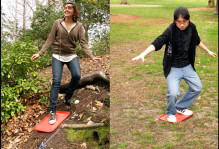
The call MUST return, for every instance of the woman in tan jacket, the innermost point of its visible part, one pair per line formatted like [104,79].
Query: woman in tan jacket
[63,36]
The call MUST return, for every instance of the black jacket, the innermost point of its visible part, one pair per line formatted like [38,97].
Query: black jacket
[167,39]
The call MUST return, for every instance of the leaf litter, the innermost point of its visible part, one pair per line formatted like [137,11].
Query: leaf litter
[19,133]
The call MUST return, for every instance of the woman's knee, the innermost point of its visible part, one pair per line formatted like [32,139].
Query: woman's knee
[173,95]
[76,76]
[56,82]
[198,89]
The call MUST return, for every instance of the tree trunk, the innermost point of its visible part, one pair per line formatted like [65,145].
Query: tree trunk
[216,11]
[24,16]
[15,23]
[124,1]
[87,80]
[86,34]
[37,3]
[211,3]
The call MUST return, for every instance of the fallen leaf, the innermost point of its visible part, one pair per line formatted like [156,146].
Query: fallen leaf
[16,131]
[30,129]
[99,104]
[80,116]
[41,112]
[88,119]
[84,145]
[9,133]
[94,109]
[90,87]
[97,88]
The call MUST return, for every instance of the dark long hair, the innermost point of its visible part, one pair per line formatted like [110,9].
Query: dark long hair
[182,12]
[76,14]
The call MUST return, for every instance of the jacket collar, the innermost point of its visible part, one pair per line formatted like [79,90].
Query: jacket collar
[62,21]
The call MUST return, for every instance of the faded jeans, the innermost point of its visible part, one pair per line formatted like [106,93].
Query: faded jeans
[57,68]
[173,82]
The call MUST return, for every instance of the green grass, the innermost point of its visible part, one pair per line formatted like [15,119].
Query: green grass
[123,145]
[112,132]
[201,127]
[86,135]
[135,32]
[190,3]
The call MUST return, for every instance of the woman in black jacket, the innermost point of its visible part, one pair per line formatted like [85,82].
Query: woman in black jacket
[181,39]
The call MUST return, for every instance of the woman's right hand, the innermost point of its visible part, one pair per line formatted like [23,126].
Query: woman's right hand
[139,57]
[35,56]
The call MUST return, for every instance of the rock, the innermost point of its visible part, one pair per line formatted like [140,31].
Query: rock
[90,122]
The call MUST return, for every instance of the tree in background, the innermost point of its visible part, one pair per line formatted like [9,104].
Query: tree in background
[124,2]
[6,28]
[93,12]
[216,11]
[211,3]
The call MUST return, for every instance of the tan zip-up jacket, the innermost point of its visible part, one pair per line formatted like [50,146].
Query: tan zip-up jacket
[64,43]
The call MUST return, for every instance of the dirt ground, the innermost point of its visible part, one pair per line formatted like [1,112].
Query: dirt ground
[201,9]
[135,5]
[122,17]
[19,131]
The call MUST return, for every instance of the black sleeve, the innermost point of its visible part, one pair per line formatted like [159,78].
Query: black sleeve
[162,39]
[198,38]
[195,34]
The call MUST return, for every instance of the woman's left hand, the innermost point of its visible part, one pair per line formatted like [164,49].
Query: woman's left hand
[96,58]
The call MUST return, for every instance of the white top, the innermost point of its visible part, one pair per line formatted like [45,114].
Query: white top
[65,58]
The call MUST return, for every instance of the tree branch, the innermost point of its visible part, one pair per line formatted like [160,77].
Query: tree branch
[77,126]
[87,80]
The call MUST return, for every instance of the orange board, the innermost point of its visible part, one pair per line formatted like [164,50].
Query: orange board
[179,117]
[44,125]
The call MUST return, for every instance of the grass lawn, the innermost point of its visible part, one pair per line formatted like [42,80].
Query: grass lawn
[138,90]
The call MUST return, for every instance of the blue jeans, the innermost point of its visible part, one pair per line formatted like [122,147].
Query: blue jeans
[57,68]
[173,82]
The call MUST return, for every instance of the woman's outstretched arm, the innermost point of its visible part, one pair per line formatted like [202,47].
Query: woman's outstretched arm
[150,49]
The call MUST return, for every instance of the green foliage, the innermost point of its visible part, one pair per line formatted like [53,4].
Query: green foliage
[123,145]
[9,103]
[101,43]
[43,20]
[18,76]
[16,64]
[86,135]
[94,14]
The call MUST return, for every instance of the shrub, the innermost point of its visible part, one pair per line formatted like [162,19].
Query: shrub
[18,76]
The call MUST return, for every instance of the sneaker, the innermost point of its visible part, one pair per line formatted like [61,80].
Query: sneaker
[68,102]
[52,117]
[184,111]
[171,118]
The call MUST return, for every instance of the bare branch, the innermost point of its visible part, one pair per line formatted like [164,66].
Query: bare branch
[42,2]
[30,6]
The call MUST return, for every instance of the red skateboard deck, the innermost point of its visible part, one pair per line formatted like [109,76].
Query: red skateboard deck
[44,125]
[179,117]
